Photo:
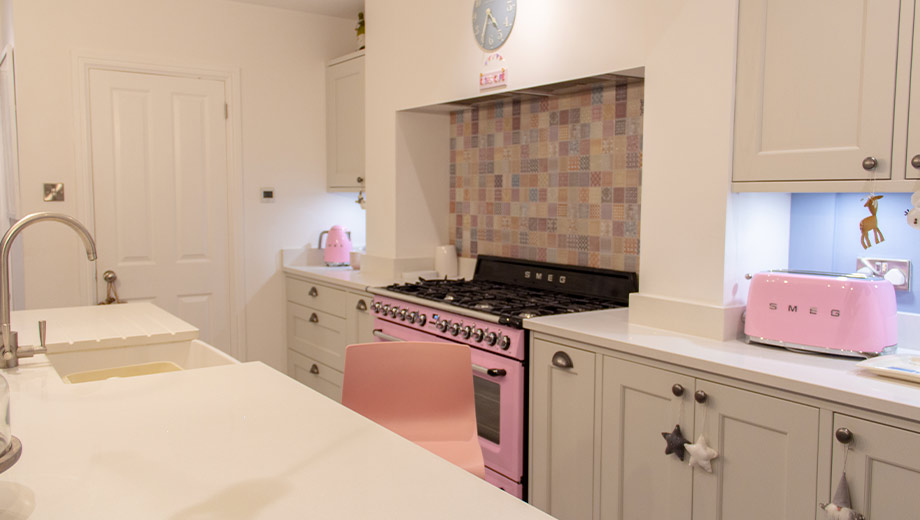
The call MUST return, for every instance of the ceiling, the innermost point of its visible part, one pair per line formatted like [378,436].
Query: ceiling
[339,8]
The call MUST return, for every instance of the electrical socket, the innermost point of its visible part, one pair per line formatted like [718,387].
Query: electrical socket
[883,265]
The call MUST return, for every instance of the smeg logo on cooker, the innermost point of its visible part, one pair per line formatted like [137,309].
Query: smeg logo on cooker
[835,313]
[549,277]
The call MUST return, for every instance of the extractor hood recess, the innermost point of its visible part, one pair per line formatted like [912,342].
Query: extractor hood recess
[544,91]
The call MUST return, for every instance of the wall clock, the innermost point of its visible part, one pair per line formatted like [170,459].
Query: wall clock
[492,22]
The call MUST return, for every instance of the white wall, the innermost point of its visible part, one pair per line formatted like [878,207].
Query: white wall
[281,57]
[688,50]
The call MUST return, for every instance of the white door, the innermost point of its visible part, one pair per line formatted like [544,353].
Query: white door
[159,158]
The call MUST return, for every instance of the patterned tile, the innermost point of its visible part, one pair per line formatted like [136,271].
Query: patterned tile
[554,179]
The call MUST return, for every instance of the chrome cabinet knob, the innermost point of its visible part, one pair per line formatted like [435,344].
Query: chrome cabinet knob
[915,161]
[869,163]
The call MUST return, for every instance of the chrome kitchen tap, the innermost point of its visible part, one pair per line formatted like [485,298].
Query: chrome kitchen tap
[9,351]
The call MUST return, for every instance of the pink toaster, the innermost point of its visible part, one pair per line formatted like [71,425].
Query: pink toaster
[843,314]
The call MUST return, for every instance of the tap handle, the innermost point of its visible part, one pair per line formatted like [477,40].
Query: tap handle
[42,328]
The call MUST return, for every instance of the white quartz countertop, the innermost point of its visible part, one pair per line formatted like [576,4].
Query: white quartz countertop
[826,377]
[233,441]
[340,276]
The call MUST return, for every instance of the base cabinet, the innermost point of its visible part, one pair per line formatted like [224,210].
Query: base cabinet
[562,439]
[321,321]
[767,447]
[882,468]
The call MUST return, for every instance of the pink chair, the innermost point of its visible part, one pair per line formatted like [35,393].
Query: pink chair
[421,391]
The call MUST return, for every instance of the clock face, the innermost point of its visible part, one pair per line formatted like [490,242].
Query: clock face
[492,22]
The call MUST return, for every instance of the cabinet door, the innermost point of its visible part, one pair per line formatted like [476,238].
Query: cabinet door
[815,89]
[883,469]
[360,320]
[345,125]
[768,456]
[638,481]
[562,444]
[913,120]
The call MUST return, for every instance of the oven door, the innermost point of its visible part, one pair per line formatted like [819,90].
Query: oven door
[499,387]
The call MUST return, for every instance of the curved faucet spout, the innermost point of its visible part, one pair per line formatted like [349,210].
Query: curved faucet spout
[8,354]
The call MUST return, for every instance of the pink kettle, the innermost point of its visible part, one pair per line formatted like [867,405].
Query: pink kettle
[338,246]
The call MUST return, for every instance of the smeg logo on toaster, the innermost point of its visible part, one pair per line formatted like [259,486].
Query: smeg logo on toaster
[835,313]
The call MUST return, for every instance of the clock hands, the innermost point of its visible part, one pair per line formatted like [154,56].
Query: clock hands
[482,38]
[492,18]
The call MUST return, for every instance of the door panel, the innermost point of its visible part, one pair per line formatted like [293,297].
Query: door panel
[768,452]
[815,89]
[159,157]
[638,481]
[883,469]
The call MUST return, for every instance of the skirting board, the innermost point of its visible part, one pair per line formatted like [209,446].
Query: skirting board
[686,317]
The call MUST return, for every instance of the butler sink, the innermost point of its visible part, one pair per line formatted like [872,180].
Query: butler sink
[137,360]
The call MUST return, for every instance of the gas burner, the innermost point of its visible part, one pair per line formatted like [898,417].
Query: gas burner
[487,305]
[449,297]
[528,313]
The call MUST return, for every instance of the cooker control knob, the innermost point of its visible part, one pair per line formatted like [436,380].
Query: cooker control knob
[505,343]
[385,309]
[413,316]
[466,332]
[491,338]
[455,329]
[376,306]
[442,325]
[393,310]
[478,334]
[422,319]
[402,314]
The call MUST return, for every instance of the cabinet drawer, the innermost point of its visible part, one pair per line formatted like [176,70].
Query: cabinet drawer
[317,334]
[316,375]
[317,296]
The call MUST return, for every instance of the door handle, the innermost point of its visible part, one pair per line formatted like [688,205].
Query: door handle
[562,360]
[386,337]
[494,372]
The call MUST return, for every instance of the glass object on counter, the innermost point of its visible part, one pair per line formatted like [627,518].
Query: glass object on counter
[10,447]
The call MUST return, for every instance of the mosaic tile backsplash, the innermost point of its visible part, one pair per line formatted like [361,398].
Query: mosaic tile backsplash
[553,179]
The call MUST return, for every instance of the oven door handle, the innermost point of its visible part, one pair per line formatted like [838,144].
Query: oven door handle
[386,337]
[493,372]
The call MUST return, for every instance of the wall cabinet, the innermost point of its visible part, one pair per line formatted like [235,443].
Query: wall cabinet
[345,123]
[321,321]
[597,449]
[821,93]
[883,468]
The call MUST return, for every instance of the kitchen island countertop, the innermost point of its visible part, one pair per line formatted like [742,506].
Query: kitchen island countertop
[234,441]
[825,377]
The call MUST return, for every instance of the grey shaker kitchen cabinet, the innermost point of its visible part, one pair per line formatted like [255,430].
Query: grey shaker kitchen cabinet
[562,433]
[883,468]
[767,447]
[816,89]
[638,481]
[345,123]
[321,321]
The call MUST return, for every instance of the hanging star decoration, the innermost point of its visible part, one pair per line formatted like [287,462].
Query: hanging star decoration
[701,454]
[839,507]
[676,442]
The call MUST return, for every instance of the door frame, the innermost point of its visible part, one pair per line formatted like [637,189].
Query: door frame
[83,63]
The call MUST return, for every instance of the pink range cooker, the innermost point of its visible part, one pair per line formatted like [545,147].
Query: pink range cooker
[487,313]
